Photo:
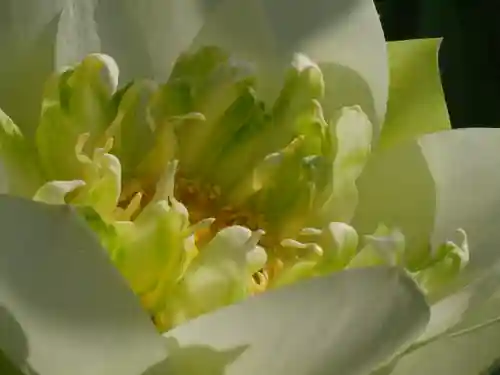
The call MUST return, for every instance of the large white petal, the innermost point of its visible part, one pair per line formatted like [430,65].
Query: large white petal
[470,352]
[146,37]
[431,187]
[345,323]
[344,36]
[28,32]
[64,309]
[38,36]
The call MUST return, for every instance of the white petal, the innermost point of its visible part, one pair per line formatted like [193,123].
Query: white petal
[346,324]
[344,36]
[64,309]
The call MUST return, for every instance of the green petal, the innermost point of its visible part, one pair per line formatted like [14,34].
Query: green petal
[152,247]
[75,101]
[384,247]
[55,192]
[219,275]
[132,129]
[343,36]
[340,244]
[20,172]
[467,197]
[416,99]
[317,326]
[58,285]
[353,136]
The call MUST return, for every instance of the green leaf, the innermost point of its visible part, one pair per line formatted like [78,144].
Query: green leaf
[315,327]
[64,299]
[353,58]
[416,103]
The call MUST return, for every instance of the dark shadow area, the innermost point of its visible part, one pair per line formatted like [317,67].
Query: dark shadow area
[121,38]
[412,19]
[13,346]
[400,19]
[307,17]
[195,359]
[470,64]
[397,189]
[346,88]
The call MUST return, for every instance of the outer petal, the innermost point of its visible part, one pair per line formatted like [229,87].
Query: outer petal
[20,172]
[146,37]
[344,36]
[472,353]
[35,37]
[38,36]
[416,99]
[453,177]
[63,308]
[346,324]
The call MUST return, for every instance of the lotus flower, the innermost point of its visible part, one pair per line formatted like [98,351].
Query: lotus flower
[220,183]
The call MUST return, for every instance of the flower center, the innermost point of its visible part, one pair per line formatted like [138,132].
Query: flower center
[202,195]
[205,202]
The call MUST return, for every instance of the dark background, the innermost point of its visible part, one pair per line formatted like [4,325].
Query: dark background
[469,55]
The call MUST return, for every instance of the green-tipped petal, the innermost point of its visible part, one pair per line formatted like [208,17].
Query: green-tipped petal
[353,136]
[384,247]
[103,179]
[152,247]
[340,243]
[133,128]
[76,101]
[55,192]
[219,275]
[64,299]
[416,99]
[449,260]
[351,341]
